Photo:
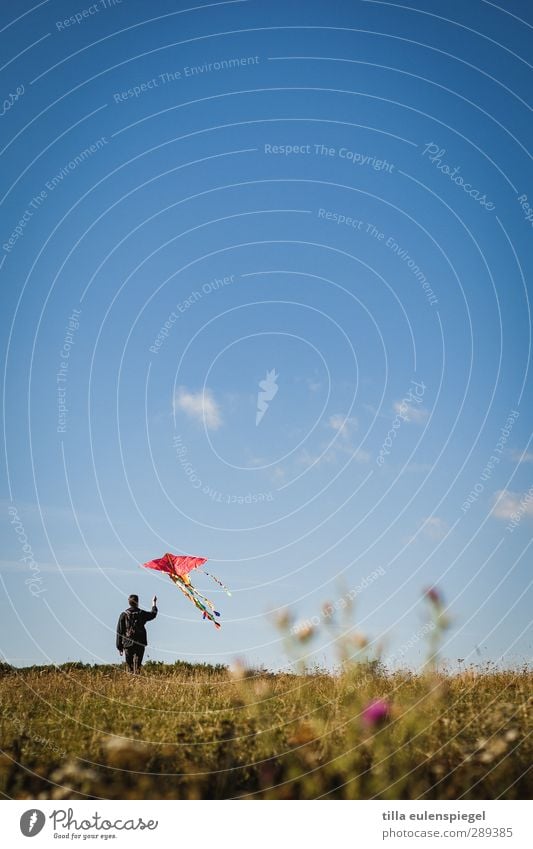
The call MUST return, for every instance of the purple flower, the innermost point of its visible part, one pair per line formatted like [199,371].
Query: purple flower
[433,595]
[377,712]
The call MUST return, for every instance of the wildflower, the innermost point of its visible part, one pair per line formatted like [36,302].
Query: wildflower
[494,750]
[440,623]
[377,712]
[359,640]
[126,754]
[283,618]
[238,670]
[327,609]
[434,596]
[304,633]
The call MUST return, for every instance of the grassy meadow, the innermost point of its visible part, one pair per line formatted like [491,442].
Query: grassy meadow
[188,732]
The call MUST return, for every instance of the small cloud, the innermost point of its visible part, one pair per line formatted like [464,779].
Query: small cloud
[409,413]
[434,527]
[306,458]
[335,451]
[419,467]
[313,385]
[345,425]
[522,456]
[257,461]
[334,454]
[508,504]
[200,406]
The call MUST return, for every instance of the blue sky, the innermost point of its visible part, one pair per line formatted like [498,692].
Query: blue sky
[330,199]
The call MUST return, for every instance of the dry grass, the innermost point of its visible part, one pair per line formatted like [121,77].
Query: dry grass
[202,732]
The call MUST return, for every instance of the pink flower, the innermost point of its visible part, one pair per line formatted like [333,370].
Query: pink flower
[377,712]
[434,596]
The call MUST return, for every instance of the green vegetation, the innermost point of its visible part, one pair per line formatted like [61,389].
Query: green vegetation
[190,731]
[193,731]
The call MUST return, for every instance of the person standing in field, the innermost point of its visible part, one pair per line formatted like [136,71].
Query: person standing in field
[131,633]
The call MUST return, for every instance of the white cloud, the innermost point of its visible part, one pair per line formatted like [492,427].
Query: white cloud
[507,504]
[525,457]
[345,425]
[200,406]
[257,461]
[306,458]
[434,527]
[419,467]
[410,413]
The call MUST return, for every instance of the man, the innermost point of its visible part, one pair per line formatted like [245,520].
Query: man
[131,633]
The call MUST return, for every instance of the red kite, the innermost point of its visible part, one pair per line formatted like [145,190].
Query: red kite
[177,568]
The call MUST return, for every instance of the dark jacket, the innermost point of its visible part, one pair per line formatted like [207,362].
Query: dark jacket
[140,637]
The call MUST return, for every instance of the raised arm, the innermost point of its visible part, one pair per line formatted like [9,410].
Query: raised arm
[153,613]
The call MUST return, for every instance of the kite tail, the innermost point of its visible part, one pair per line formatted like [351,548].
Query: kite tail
[216,580]
[197,599]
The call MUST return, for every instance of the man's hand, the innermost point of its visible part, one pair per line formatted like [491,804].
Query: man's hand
[121,652]
[154,601]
